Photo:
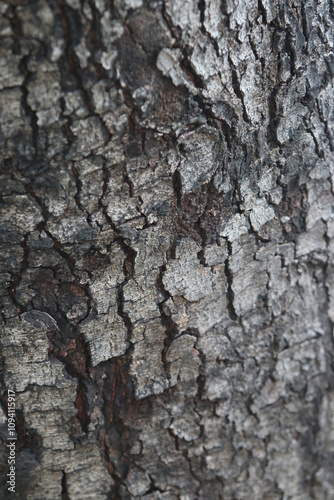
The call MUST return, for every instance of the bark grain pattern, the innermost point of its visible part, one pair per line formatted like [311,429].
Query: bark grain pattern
[167,248]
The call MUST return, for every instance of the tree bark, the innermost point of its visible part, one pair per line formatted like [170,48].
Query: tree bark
[167,243]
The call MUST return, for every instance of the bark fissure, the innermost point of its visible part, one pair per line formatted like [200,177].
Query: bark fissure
[166,233]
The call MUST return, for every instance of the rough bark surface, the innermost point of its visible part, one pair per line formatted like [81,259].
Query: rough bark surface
[167,247]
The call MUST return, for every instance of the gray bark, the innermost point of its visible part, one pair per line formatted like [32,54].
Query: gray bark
[167,246]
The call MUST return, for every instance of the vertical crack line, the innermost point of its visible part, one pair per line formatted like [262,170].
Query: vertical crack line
[117,392]
[128,182]
[172,29]
[120,311]
[72,58]
[129,261]
[177,186]
[78,184]
[96,40]
[212,40]
[81,406]
[56,244]
[319,152]
[237,90]
[230,293]
[30,113]
[16,26]
[128,270]
[262,11]
[64,492]
[171,329]
[77,196]
[289,47]
[201,375]
[273,118]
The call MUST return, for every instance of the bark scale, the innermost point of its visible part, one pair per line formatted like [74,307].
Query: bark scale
[167,244]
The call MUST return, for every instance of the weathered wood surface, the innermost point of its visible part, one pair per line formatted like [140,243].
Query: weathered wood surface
[167,245]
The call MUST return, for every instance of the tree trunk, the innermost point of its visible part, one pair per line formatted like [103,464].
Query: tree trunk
[167,243]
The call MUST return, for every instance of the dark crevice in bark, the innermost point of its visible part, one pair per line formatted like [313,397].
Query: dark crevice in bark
[58,247]
[238,92]
[95,40]
[262,11]
[111,427]
[69,346]
[317,147]
[177,186]
[273,118]
[77,196]
[64,492]
[128,99]
[153,488]
[129,261]
[196,475]
[188,69]
[201,258]
[16,26]
[120,310]
[219,123]
[71,26]
[201,379]
[254,50]
[170,327]
[174,30]
[237,199]
[43,225]
[230,293]
[18,35]
[118,393]
[129,183]
[26,106]
[201,223]
[74,354]
[174,437]
[78,184]
[289,46]
[82,407]
[214,43]
[118,390]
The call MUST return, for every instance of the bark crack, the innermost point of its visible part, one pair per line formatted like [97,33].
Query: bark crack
[171,329]
[230,293]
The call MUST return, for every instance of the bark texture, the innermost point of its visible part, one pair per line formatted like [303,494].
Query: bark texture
[167,248]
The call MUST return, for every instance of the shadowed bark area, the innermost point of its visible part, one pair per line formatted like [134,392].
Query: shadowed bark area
[167,248]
